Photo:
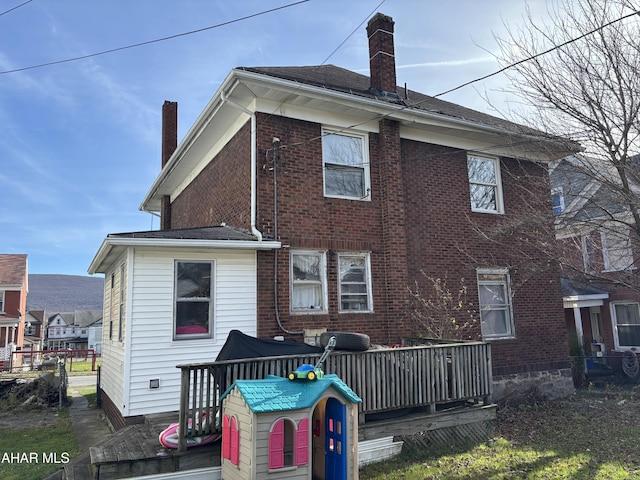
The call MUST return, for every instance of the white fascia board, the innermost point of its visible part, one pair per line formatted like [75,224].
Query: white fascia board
[109,244]
[389,110]
[582,301]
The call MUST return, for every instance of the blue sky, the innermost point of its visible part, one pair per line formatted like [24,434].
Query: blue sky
[80,141]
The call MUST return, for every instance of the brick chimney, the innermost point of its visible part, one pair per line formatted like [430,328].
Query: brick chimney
[169,130]
[169,145]
[382,60]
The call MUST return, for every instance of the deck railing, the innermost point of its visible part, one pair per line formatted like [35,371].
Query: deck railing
[385,379]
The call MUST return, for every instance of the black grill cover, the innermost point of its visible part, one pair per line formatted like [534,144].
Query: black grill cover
[239,345]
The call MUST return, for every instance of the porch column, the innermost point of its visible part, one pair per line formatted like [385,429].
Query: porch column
[577,317]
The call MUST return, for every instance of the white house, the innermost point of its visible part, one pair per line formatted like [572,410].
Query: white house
[171,297]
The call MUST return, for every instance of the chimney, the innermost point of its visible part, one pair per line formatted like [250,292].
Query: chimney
[169,145]
[382,60]
[169,130]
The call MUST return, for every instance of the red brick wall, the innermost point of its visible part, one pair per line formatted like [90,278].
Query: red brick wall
[306,219]
[442,241]
[423,198]
[221,192]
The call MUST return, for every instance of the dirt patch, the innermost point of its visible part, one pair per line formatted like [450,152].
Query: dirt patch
[28,419]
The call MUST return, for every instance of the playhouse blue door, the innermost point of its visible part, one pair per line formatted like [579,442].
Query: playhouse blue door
[335,440]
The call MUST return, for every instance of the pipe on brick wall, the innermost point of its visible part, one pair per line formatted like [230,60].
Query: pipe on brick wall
[254,162]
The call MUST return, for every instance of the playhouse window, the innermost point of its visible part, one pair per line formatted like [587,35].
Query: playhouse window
[230,439]
[193,299]
[288,446]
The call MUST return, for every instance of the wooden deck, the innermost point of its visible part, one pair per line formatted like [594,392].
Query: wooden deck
[135,450]
[386,379]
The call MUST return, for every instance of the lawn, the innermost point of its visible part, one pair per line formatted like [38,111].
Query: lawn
[38,447]
[594,435]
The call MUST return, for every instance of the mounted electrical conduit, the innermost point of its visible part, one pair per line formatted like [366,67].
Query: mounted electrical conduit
[276,158]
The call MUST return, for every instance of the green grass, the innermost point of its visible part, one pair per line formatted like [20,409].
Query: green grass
[590,437]
[36,450]
[89,392]
[81,367]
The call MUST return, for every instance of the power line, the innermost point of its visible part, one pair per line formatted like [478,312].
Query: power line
[148,42]
[15,8]
[533,57]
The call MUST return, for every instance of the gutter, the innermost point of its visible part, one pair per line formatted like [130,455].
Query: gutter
[254,161]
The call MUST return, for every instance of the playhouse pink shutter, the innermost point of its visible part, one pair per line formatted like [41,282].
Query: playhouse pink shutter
[302,442]
[234,447]
[226,437]
[276,445]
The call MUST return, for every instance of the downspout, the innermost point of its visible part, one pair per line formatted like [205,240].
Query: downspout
[254,162]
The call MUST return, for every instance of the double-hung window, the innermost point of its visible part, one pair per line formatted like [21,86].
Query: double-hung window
[345,159]
[484,184]
[626,323]
[495,303]
[308,282]
[355,282]
[193,299]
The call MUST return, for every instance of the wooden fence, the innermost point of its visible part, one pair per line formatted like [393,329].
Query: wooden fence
[385,379]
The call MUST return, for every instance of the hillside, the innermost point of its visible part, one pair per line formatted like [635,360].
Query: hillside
[64,293]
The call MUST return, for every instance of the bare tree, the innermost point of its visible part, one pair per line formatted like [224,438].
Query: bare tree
[577,73]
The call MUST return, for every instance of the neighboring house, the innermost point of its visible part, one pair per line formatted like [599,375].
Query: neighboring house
[310,198]
[34,337]
[292,429]
[70,331]
[594,231]
[13,301]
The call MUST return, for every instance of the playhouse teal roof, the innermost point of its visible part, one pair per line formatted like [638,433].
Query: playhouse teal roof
[277,394]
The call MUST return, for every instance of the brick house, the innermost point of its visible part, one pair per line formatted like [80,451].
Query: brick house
[596,235]
[341,190]
[13,306]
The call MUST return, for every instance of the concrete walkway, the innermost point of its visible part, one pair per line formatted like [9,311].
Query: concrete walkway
[89,426]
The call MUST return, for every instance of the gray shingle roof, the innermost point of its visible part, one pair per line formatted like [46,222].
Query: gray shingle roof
[346,81]
[220,232]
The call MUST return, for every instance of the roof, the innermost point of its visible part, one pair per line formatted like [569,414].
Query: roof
[342,80]
[220,236]
[571,288]
[277,394]
[13,270]
[325,91]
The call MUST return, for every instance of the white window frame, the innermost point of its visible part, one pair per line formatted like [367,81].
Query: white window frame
[293,282]
[177,300]
[623,260]
[364,166]
[614,322]
[507,308]
[496,184]
[367,280]
[2,301]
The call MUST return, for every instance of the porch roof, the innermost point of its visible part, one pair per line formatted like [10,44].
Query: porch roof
[576,294]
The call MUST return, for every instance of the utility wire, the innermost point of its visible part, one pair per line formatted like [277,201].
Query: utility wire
[533,57]
[148,42]
[15,8]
